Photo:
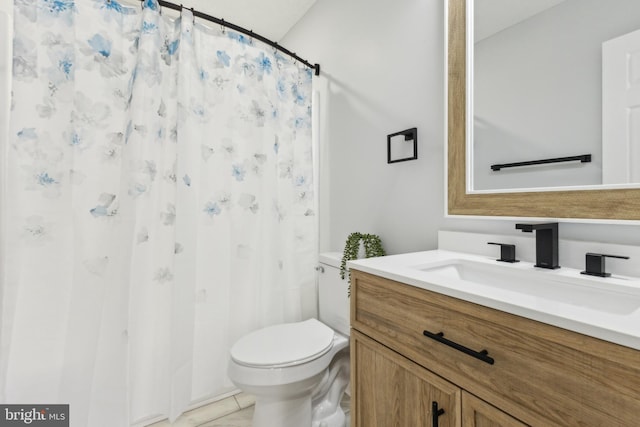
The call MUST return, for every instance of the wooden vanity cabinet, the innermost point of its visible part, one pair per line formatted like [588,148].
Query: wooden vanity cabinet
[484,367]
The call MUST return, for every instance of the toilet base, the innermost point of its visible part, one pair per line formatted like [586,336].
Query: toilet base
[327,396]
[293,412]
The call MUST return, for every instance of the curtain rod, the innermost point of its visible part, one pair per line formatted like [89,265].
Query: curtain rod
[242,30]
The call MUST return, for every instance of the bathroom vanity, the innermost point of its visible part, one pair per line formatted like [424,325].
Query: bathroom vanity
[426,352]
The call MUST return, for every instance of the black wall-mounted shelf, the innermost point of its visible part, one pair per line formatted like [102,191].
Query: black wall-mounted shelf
[584,158]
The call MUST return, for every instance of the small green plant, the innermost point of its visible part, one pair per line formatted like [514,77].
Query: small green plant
[372,248]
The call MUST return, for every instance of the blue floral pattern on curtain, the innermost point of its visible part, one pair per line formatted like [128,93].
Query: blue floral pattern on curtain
[160,205]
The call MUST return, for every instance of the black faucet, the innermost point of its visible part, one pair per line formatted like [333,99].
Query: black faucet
[546,243]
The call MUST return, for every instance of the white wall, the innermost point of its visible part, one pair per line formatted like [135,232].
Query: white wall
[383,71]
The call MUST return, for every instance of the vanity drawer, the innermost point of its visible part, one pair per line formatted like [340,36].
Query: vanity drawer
[541,374]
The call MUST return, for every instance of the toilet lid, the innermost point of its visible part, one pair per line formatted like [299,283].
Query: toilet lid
[283,345]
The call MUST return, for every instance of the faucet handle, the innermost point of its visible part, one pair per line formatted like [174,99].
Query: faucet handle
[507,252]
[594,264]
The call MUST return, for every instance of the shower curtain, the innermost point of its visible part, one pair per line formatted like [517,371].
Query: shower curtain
[159,203]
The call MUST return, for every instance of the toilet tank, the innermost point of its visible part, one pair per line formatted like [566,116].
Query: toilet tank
[333,300]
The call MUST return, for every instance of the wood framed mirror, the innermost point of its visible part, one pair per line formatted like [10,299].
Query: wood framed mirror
[606,204]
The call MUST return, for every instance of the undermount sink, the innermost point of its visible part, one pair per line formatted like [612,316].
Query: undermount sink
[604,295]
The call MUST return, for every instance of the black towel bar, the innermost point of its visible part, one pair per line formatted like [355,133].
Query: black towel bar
[584,158]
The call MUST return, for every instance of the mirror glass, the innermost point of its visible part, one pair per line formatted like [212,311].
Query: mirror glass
[553,79]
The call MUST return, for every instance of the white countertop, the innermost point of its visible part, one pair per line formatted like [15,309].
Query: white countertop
[620,325]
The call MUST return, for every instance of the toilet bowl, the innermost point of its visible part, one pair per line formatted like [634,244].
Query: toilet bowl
[298,372]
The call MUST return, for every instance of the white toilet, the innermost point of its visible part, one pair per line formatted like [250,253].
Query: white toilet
[298,372]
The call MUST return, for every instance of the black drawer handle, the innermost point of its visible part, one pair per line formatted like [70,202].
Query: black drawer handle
[482,355]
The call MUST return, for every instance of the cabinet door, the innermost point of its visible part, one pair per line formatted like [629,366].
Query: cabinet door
[478,413]
[389,390]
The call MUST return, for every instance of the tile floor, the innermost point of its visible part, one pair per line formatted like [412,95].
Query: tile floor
[234,411]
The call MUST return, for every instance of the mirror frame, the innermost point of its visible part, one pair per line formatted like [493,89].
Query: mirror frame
[608,204]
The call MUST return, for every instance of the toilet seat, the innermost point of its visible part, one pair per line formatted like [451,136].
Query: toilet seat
[283,345]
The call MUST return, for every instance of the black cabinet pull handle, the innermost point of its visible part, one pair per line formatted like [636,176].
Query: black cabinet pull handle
[482,354]
[435,413]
